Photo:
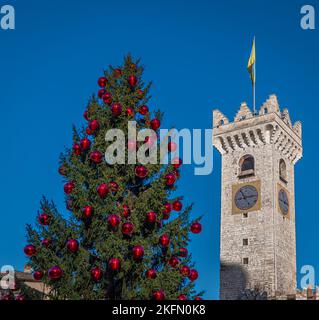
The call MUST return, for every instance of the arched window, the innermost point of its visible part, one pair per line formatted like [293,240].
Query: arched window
[282,171]
[247,166]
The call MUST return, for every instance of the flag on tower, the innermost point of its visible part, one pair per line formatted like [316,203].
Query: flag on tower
[251,63]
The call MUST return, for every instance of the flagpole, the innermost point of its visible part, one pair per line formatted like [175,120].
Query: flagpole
[254,85]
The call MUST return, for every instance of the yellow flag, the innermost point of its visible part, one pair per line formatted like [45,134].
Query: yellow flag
[251,62]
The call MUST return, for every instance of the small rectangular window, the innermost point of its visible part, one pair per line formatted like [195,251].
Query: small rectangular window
[245,242]
[245,261]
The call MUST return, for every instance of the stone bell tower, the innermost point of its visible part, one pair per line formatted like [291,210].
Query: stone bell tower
[258,237]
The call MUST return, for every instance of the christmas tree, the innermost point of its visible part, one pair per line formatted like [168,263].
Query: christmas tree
[126,235]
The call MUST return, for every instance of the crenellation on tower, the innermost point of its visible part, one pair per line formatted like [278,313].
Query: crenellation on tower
[219,119]
[243,113]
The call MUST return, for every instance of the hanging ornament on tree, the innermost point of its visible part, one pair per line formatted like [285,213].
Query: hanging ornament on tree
[96,157]
[87,211]
[114,264]
[167,208]
[86,116]
[55,273]
[183,252]
[196,228]
[141,171]
[150,274]
[113,187]
[172,146]
[94,125]
[85,144]
[116,109]
[177,162]
[138,252]
[132,80]
[177,206]
[96,274]
[113,220]
[107,98]
[126,210]
[193,275]
[102,82]
[143,110]
[164,240]
[88,131]
[77,149]
[68,187]
[182,297]
[44,219]
[20,297]
[30,250]
[159,295]
[127,228]
[46,242]
[37,275]
[102,190]
[173,262]
[170,179]
[155,124]
[72,245]
[185,271]
[151,217]
[130,111]
[101,93]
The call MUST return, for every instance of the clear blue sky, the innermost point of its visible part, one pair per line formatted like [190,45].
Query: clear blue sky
[195,52]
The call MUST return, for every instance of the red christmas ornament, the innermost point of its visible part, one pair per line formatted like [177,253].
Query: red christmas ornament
[88,131]
[116,109]
[127,228]
[101,93]
[55,273]
[167,208]
[44,219]
[138,252]
[46,242]
[102,190]
[172,146]
[173,262]
[183,252]
[86,116]
[177,206]
[114,264]
[68,187]
[193,275]
[37,275]
[30,250]
[102,82]
[131,145]
[166,216]
[164,240]
[87,211]
[170,179]
[176,173]
[198,298]
[77,149]
[151,217]
[132,81]
[150,274]
[196,227]
[96,157]
[159,295]
[20,297]
[155,124]
[126,210]
[85,144]
[182,297]
[143,110]
[7,297]
[185,271]
[113,187]
[177,162]
[130,111]
[72,245]
[107,98]
[94,125]
[96,274]
[113,220]
[141,171]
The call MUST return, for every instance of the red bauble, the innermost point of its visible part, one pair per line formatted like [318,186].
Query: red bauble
[177,162]
[72,245]
[198,298]
[166,216]
[20,297]
[7,297]
[77,149]
[86,116]
[127,228]
[96,274]
[141,171]
[159,295]
[102,82]
[138,252]
[176,173]
[44,219]
[196,227]
[193,275]
[37,275]
[55,273]
[113,186]
[116,109]
[173,262]
[151,217]
[170,179]
[30,250]
[107,98]
[131,145]
[102,190]
[155,124]
[164,240]
[114,264]
[167,208]
[46,242]
[177,205]
[182,297]
[113,220]
[132,81]
[96,157]
[150,274]
[130,111]
[85,144]
[94,125]
[172,146]
[68,187]
[101,93]
[183,252]
[88,131]
[185,271]
[143,110]
[126,210]
[87,211]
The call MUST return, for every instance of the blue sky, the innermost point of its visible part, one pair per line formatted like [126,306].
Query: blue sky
[195,52]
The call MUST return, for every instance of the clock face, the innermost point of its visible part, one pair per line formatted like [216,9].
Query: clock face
[283,202]
[246,197]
